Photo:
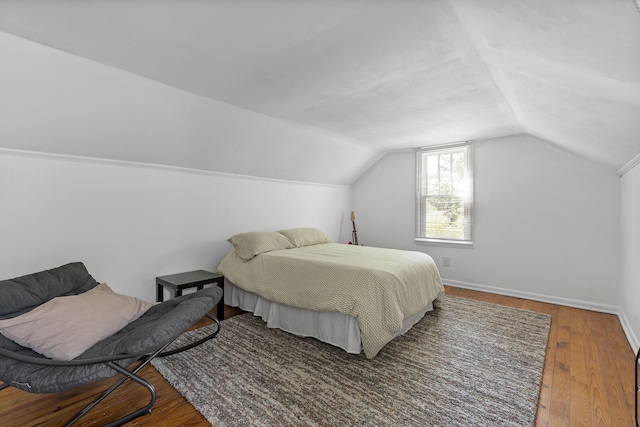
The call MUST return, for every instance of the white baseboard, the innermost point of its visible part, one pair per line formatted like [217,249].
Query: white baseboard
[604,308]
[631,337]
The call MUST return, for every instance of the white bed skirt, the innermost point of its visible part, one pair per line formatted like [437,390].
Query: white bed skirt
[335,328]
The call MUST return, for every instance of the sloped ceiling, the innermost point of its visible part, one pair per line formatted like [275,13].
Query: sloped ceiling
[387,75]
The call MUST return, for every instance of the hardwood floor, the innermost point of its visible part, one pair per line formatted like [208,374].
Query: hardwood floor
[588,380]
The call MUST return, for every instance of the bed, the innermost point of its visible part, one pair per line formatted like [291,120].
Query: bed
[355,297]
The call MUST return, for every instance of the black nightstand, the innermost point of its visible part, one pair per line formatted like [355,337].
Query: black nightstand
[181,281]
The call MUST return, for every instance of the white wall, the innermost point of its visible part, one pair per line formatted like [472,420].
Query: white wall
[130,223]
[630,255]
[52,101]
[546,222]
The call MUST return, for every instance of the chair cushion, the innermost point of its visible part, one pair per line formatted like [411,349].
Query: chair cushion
[24,293]
[64,327]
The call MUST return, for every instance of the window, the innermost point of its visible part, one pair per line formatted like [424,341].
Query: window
[444,194]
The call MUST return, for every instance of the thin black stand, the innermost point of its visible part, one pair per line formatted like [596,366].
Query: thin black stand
[637,387]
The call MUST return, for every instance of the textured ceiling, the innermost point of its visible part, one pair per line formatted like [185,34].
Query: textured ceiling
[385,74]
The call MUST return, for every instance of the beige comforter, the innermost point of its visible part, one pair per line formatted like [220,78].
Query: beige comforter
[379,287]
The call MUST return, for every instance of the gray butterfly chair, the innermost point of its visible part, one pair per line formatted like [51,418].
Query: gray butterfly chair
[141,340]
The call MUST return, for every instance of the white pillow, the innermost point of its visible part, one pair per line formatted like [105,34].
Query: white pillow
[254,243]
[65,327]
[305,236]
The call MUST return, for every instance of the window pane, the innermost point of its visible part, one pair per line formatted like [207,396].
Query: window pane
[459,170]
[433,176]
[444,165]
[445,218]
[445,194]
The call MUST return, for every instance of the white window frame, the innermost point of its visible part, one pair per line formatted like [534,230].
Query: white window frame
[422,196]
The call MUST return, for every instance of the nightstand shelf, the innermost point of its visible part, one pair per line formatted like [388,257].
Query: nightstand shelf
[198,278]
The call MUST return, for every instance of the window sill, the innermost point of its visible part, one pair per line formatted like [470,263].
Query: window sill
[443,243]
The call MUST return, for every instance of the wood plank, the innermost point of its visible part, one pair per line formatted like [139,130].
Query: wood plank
[617,378]
[561,390]
[579,390]
[599,408]
[546,386]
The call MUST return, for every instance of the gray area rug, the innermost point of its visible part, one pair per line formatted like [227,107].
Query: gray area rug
[466,363]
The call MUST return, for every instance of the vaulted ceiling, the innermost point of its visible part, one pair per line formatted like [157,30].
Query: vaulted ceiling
[388,75]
